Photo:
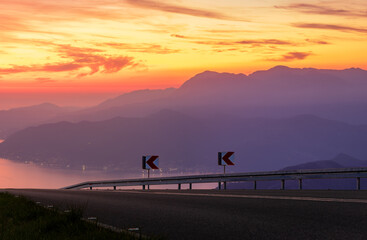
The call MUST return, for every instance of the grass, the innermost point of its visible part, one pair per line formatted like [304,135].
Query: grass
[23,219]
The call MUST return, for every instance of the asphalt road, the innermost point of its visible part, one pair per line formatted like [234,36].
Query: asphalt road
[241,214]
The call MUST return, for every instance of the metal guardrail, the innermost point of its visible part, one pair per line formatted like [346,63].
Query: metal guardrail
[222,179]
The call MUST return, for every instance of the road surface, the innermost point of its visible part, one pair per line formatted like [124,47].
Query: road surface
[212,214]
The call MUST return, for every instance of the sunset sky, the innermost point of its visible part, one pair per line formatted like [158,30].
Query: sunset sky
[113,46]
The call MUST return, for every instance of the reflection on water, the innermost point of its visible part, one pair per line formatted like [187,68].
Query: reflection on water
[19,175]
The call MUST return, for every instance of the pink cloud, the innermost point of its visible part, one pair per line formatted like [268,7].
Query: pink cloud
[291,56]
[323,10]
[330,27]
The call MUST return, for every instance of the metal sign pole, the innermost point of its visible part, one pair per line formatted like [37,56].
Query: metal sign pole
[148,176]
[224,173]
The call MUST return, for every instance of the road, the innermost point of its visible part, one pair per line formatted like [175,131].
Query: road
[211,214]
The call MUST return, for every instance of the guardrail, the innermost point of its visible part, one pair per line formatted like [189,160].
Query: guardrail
[282,176]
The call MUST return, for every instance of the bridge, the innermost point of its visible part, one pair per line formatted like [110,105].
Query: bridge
[222,179]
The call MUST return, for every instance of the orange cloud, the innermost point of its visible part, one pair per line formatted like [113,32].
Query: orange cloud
[45,80]
[143,47]
[329,27]
[66,9]
[178,36]
[78,58]
[251,42]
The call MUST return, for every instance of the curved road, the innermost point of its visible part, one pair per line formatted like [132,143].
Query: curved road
[241,214]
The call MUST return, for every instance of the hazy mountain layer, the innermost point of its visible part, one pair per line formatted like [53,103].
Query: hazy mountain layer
[18,118]
[187,143]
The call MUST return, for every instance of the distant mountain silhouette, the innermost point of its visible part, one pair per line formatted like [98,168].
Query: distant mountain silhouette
[140,96]
[186,143]
[18,118]
[279,92]
[340,161]
[274,118]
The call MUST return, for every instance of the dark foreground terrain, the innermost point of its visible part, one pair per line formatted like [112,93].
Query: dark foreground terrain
[241,214]
[23,219]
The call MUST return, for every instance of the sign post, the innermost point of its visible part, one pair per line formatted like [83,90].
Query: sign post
[224,159]
[150,162]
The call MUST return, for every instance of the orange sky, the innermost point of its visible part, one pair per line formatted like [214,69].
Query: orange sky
[114,46]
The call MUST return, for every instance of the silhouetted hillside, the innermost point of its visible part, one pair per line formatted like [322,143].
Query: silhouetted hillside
[140,96]
[18,118]
[340,161]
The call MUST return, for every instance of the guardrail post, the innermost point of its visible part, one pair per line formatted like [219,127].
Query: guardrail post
[179,186]
[90,188]
[254,185]
[282,187]
[358,183]
[300,183]
[225,185]
[114,187]
[143,187]
[219,185]
[190,186]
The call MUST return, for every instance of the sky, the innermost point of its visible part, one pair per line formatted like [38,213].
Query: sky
[78,52]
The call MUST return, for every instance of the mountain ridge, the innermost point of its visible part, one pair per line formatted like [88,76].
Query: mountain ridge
[184,142]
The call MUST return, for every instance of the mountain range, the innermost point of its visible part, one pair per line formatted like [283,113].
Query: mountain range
[278,92]
[186,143]
[271,119]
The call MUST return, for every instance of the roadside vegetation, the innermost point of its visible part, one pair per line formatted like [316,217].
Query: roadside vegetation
[22,219]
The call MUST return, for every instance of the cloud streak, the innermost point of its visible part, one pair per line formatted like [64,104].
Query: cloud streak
[143,47]
[291,56]
[252,42]
[329,27]
[77,59]
[44,80]
[323,10]
[179,9]
[248,42]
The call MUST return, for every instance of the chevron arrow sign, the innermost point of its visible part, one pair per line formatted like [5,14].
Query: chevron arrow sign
[150,162]
[225,158]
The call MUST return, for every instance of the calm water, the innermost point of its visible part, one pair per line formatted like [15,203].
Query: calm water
[20,175]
